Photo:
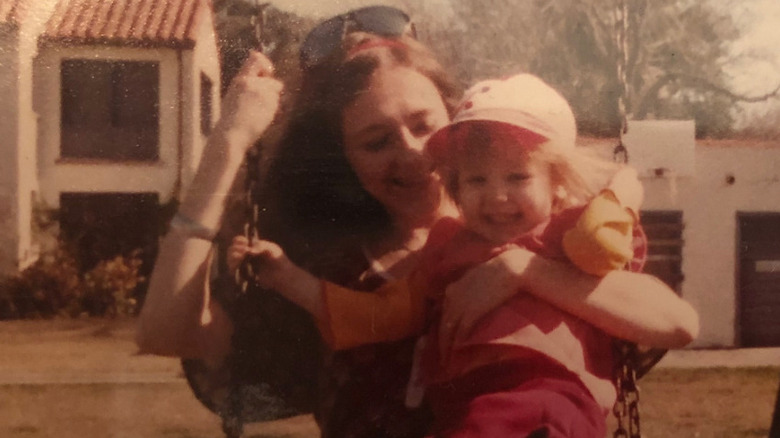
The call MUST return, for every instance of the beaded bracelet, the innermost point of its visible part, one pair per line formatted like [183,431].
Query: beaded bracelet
[191,228]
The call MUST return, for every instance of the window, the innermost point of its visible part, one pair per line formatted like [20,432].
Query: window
[104,225]
[205,104]
[758,276]
[110,110]
[664,246]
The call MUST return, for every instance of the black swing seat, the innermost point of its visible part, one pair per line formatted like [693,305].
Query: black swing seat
[272,370]
[646,359]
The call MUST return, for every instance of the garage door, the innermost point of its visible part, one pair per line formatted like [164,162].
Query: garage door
[759,279]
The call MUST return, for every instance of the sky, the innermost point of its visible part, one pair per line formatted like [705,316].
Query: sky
[759,22]
[758,71]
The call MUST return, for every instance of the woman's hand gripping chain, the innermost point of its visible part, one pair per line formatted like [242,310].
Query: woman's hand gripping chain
[250,104]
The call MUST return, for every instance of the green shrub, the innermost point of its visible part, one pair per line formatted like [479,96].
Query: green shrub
[110,288]
[50,287]
[55,286]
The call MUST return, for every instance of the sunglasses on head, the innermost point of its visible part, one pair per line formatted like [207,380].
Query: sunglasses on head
[328,36]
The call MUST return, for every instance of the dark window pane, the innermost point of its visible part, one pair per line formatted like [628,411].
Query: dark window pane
[104,225]
[205,104]
[110,110]
[664,230]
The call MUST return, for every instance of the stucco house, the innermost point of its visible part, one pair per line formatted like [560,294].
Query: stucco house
[731,253]
[112,103]
[712,213]
[108,104]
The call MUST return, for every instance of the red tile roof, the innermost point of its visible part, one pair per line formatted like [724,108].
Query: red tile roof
[126,22]
[12,11]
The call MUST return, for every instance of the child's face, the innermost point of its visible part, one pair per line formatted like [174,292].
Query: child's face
[502,193]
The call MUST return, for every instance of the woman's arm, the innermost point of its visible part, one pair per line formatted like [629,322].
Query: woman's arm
[178,317]
[631,306]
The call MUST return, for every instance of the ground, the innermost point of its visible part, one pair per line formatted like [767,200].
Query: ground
[82,378]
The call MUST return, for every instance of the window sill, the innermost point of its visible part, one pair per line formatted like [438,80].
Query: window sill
[110,162]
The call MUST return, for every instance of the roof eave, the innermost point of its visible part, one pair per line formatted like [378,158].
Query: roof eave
[116,42]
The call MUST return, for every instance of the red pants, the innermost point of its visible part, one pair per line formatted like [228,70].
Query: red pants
[516,399]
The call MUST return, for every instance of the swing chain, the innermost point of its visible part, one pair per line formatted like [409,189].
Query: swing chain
[246,272]
[621,34]
[620,153]
[252,165]
[626,408]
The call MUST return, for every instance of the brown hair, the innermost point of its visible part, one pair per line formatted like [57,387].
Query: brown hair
[317,199]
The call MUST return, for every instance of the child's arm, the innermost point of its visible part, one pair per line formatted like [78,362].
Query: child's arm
[628,305]
[273,270]
[351,319]
[603,238]
[345,318]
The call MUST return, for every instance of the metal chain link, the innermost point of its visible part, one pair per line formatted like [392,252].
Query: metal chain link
[245,273]
[621,35]
[620,153]
[626,408]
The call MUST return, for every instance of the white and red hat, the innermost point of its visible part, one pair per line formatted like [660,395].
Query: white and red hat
[523,101]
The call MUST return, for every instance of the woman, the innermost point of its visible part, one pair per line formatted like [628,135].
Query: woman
[353,202]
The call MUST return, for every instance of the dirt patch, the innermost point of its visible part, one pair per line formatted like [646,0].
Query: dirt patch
[79,365]
[69,350]
[82,378]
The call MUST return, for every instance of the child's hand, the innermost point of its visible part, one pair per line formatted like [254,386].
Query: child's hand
[602,239]
[236,253]
[269,264]
[479,291]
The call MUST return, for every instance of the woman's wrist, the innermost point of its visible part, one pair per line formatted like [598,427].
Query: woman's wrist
[191,228]
[208,194]
[227,146]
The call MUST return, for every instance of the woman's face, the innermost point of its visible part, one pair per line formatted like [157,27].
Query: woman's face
[385,130]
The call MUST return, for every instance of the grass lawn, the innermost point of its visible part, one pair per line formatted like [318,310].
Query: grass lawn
[708,402]
[702,403]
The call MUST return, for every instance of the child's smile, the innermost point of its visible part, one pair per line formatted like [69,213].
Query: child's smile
[503,192]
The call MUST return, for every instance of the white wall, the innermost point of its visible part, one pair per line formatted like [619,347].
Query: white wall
[710,205]
[203,59]
[9,137]
[18,181]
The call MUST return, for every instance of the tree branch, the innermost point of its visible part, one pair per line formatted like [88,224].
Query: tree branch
[651,95]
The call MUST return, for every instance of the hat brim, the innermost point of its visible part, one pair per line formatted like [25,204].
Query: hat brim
[441,143]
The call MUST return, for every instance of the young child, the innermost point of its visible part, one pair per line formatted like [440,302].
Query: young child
[509,162]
